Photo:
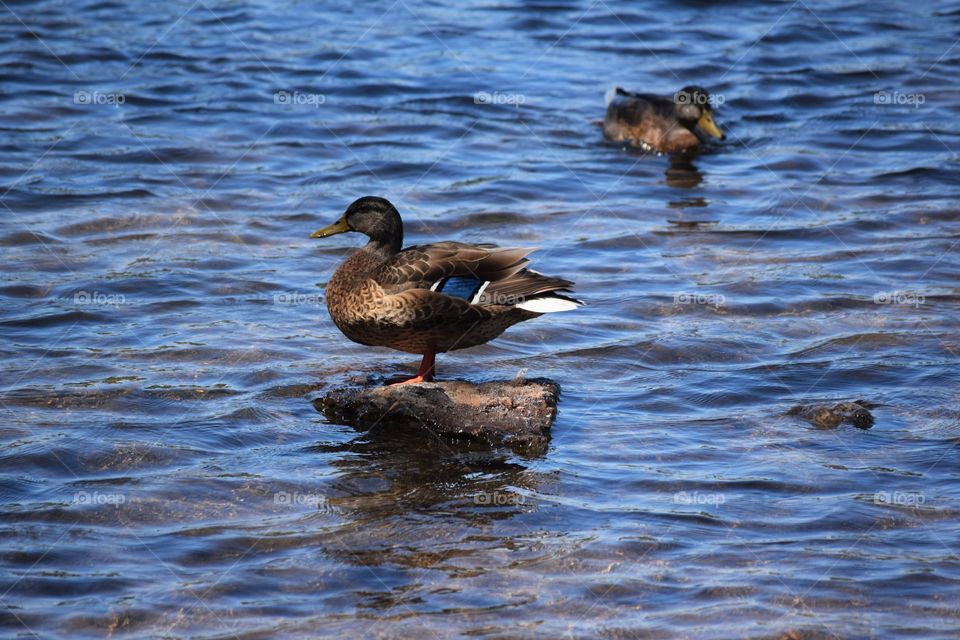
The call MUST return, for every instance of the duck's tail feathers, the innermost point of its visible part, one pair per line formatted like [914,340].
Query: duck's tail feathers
[610,95]
[550,304]
[529,290]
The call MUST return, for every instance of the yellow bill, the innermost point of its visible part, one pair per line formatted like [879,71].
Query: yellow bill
[709,126]
[340,226]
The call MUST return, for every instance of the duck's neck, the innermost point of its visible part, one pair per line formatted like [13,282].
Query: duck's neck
[386,238]
[385,247]
[356,268]
[369,258]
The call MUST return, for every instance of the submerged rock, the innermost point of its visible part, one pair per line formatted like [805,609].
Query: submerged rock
[517,413]
[827,416]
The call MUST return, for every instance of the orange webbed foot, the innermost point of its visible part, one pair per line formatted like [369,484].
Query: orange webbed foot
[425,374]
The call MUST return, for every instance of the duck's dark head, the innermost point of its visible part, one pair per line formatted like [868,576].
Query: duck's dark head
[693,107]
[372,216]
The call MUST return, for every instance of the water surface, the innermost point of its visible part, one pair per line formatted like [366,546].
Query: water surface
[162,470]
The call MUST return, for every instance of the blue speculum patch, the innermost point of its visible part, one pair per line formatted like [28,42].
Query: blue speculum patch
[460,287]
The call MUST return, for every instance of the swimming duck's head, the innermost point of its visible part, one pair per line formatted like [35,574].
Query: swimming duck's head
[694,108]
[370,215]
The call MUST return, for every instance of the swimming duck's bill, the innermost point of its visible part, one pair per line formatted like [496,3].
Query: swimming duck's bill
[340,226]
[707,124]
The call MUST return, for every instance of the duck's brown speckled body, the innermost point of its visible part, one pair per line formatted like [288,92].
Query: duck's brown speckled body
[432,298]
[414,319]
[666,124]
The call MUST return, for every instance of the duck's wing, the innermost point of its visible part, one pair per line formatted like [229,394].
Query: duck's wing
[621,92]
[482,275]
[635,105]
[434,266]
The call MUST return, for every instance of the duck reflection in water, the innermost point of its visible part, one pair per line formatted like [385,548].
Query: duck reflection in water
[416,512]
[682,173]
[391,473]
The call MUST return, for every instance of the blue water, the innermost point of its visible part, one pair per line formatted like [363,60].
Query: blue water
[163,472]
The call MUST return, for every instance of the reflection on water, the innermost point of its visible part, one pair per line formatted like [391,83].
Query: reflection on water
[164,331]
[683,174]
[393,475]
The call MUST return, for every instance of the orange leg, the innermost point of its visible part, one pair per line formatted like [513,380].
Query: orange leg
[427,369]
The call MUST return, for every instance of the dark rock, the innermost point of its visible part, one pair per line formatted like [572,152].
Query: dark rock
[517,413]
[827,416]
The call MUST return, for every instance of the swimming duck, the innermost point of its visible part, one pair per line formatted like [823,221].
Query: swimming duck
[666,124]
[431,298]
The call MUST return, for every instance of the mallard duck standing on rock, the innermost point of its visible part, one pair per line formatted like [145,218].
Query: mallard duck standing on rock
[431,298]
[666,124]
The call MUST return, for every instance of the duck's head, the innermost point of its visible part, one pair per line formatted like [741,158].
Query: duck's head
[694,108]
[372,216]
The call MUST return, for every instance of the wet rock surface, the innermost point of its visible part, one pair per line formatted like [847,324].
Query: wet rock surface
[518,413]
[831,416]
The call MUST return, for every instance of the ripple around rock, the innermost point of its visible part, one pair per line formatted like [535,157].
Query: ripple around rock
[830,416]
